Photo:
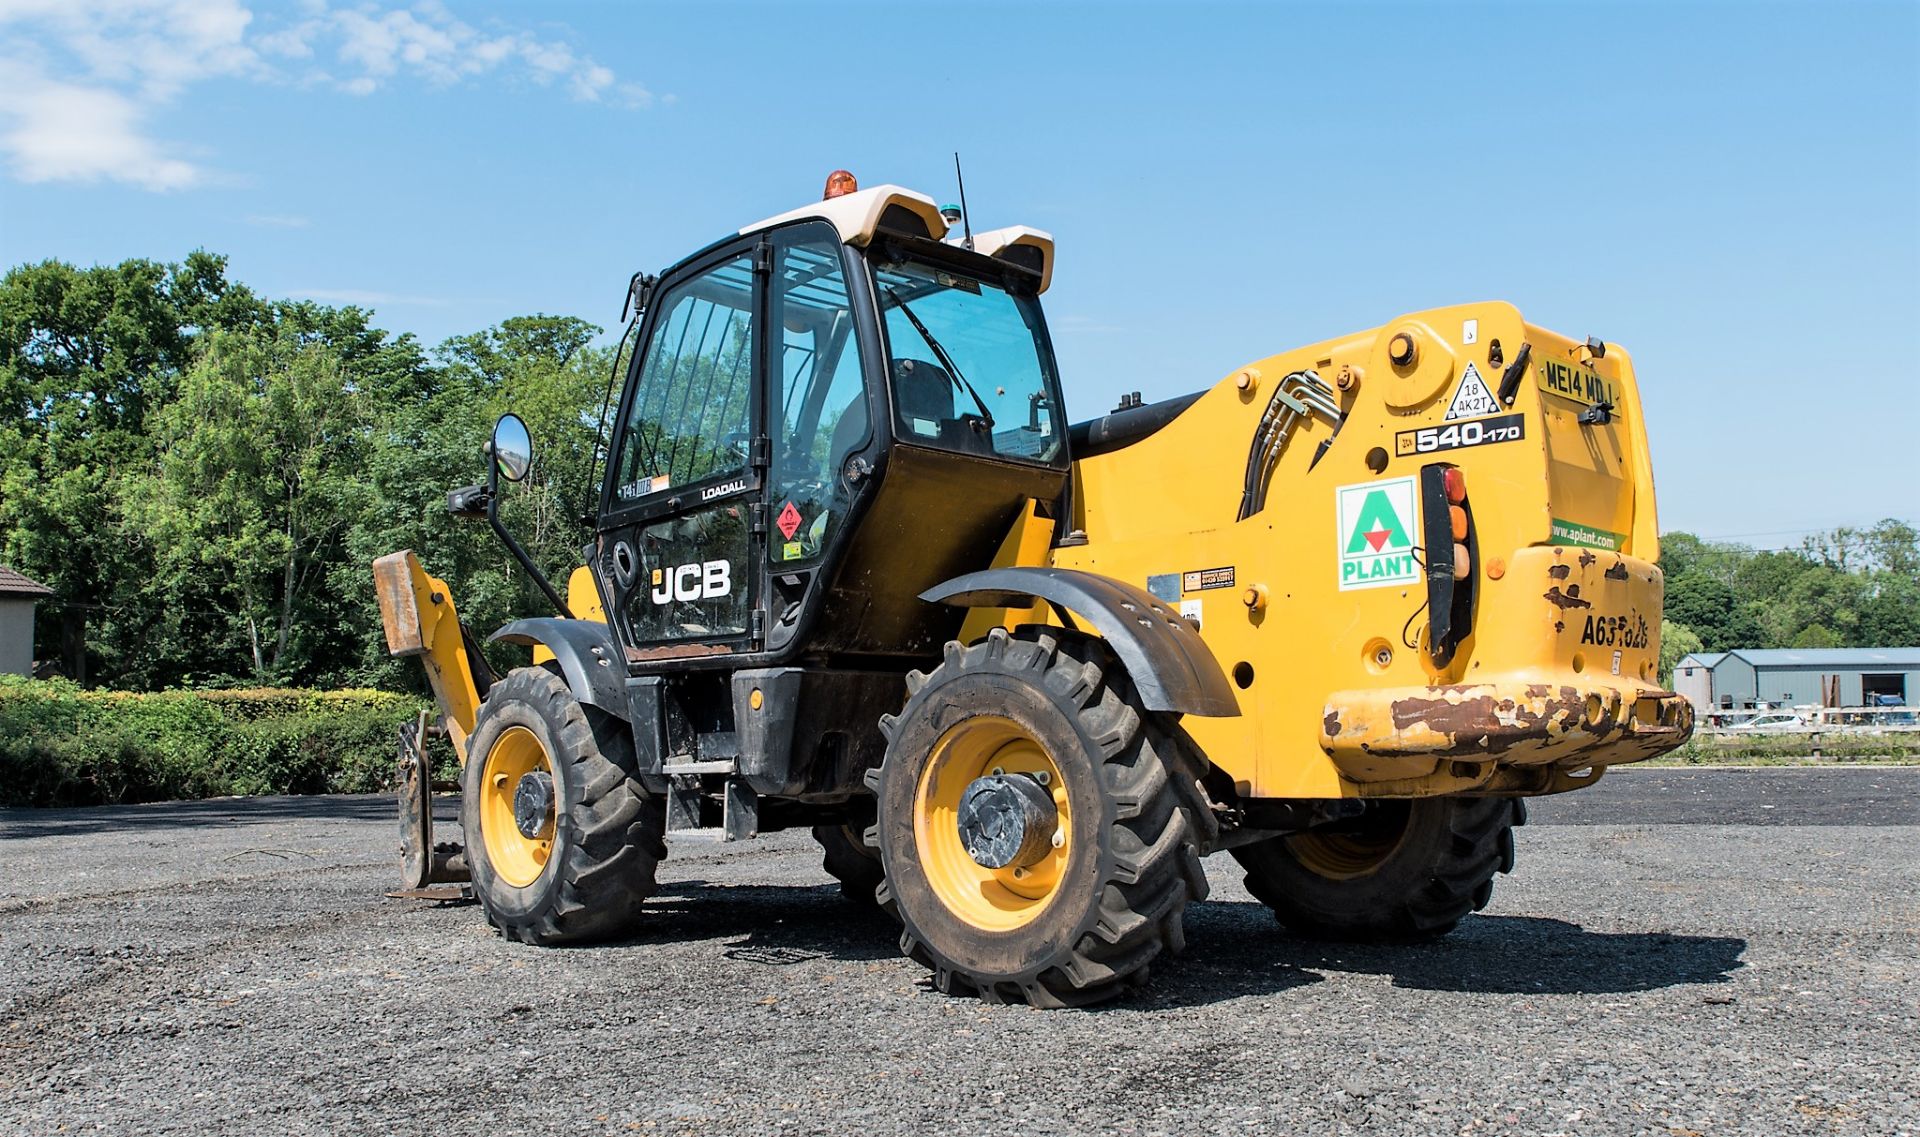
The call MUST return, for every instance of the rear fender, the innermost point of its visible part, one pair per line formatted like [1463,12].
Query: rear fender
[585,653]
[1164,656]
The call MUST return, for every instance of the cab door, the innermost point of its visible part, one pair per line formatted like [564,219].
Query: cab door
[682,533]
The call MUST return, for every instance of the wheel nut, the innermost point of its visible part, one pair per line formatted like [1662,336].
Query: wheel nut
[1006,821]
[533,801]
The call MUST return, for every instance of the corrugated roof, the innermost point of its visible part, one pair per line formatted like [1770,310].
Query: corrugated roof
[14,584]
[1845,658]
[1707,659]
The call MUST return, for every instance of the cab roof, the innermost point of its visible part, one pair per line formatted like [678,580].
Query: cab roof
[859,215]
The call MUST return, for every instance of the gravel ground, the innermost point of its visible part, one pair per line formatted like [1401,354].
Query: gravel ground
[231,967]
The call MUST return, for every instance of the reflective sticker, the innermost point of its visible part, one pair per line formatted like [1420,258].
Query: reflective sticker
[1199,580]
[788,521]
[1473,398]
[643,487]
[1378,528]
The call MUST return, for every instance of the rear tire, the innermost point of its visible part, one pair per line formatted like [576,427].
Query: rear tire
[1082,923]
[1404,871]
[846,857]
[586,877]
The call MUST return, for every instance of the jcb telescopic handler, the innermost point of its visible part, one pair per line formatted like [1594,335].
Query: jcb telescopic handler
[853,569]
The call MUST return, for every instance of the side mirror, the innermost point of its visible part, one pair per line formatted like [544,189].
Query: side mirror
[512,447]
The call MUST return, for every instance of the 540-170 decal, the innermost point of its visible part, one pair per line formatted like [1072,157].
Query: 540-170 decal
[1460,435]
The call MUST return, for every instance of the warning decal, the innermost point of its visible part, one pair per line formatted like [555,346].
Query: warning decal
[1199,580]
[788,521]
[1473,398]
[1377,528]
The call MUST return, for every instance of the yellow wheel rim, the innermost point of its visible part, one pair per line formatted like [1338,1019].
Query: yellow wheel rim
[994,900]
[516,858]
[1346,856]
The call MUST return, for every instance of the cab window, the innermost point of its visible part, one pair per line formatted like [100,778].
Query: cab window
[970,368]
[820,410]
[689,418]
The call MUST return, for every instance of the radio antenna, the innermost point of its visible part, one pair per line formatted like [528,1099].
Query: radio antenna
[966,218]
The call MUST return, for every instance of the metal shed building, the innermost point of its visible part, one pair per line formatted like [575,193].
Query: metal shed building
[1737,680]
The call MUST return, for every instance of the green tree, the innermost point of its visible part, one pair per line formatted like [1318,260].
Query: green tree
[1715,612]
[541,368]
[1677,641]
[85,357]
[256,486]
[1890,612]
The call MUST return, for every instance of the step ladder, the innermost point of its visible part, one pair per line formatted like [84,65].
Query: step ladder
[687,792]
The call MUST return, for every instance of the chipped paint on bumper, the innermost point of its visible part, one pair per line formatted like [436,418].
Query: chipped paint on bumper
[1384,735]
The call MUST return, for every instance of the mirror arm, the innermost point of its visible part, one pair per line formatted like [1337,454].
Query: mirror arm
[513,546]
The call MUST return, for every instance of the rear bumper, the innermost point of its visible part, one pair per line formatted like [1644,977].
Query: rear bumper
[1394,733]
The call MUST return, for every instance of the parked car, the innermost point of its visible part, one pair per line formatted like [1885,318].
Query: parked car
[1773,720]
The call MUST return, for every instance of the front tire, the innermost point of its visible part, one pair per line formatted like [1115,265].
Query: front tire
[1095,901]
[575,864]
[1403,871]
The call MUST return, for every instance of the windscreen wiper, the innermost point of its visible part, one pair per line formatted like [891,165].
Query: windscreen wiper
[946,361]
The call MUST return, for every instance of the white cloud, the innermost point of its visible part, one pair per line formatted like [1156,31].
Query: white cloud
[118,60]
[64,132]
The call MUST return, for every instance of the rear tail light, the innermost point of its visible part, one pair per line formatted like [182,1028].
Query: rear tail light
[1448,522]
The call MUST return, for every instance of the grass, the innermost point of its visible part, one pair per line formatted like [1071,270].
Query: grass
[1834,749]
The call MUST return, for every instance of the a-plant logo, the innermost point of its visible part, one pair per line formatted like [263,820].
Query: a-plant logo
[1378,532]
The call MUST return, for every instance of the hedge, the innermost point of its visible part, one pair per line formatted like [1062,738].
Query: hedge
[62,745]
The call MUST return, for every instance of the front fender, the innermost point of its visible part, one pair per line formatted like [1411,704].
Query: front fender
[1167,660]
[585,651]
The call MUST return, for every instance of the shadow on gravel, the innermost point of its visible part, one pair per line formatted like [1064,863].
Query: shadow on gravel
[215,812]
[777,926]
[1490,955]
[1234,948]
[773,925]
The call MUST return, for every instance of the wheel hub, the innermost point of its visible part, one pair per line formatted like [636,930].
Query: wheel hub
[533,805]
[1007,819]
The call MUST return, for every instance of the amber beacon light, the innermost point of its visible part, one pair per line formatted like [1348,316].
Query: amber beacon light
[839,184]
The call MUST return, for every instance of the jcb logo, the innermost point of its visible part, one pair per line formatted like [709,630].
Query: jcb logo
[702,581]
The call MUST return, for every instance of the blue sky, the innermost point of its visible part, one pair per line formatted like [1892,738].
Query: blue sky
[1731,191]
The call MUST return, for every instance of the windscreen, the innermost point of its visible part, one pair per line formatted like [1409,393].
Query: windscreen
[969,363]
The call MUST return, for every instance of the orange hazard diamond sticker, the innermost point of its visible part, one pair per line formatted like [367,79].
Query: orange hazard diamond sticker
[788,521]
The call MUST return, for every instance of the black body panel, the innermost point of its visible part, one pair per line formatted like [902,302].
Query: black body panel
[1165,657]
[585,651]
[936,515]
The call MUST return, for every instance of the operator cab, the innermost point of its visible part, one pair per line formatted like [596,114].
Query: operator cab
[825,415]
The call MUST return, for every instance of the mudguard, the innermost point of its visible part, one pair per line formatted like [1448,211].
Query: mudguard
[1168,662]
[584,649]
